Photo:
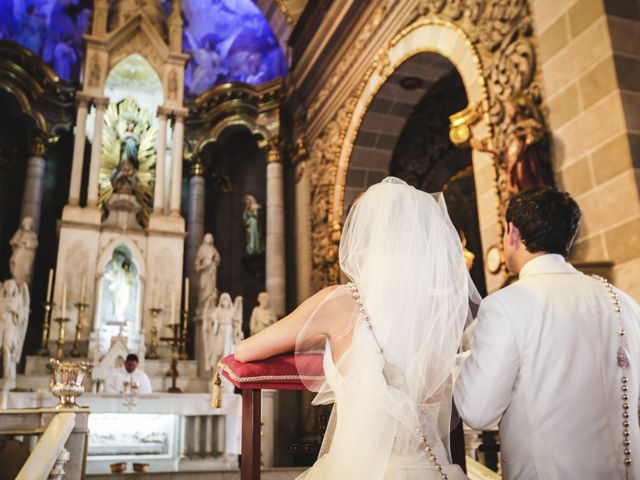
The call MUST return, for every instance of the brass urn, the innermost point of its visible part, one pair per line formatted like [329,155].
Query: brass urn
[67,381]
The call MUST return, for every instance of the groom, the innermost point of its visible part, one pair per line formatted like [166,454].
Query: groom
[543,362]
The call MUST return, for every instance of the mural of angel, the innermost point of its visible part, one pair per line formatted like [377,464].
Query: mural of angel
[14,317]
[222,329]
[128,158]
[208,70]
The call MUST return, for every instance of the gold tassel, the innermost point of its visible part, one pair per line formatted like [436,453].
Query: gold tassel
[216,397]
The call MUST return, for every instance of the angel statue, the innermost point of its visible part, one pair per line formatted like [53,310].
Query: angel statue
[262,315]
[206,266]
[127,164]
[23,243]
[250,218]
[14,316]
[222,329]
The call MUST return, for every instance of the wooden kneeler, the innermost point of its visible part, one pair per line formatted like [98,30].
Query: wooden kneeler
[276,373]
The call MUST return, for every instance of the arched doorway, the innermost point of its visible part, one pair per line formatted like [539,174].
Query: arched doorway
[234,168]
[405,133]
[420,56]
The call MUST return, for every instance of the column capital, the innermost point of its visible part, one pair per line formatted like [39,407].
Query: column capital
[83,99]
[299,152]
[164,111]
[196,167]
[39,142]
[272,146]
[180,113]
[101,102]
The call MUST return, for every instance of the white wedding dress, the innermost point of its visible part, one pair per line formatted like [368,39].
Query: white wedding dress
[410,299]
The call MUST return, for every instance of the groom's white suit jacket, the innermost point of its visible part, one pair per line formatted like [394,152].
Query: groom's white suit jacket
[543,367]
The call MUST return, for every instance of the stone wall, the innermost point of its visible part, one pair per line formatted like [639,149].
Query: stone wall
[590,65]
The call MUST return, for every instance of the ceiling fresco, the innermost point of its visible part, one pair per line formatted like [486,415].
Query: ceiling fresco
[228,40]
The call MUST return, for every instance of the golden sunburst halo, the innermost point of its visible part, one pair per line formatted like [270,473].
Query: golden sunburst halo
[116,119]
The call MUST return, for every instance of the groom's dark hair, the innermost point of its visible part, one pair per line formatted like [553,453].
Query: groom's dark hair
[548,219]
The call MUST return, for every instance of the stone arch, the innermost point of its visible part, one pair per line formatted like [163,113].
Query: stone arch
[136,254]
[240,119]
[449,41]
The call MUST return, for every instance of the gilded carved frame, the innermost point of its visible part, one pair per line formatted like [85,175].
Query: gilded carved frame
[494,52]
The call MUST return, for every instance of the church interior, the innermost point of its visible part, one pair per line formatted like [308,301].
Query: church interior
[175,176]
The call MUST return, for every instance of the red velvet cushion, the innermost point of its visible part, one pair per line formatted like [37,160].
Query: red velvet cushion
[276,373]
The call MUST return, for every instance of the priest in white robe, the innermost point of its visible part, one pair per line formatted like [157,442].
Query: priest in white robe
[129,380]
[552,363]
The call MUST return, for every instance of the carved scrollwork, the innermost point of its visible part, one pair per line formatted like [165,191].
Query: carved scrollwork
[514,69]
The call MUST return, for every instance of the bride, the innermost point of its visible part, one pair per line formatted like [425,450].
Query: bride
[389,339]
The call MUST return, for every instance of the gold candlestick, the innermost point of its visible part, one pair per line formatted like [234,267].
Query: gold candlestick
[185,321]
[81,306]
[44,347]
[183,342]
[60,342]
[153,346]
[175,342]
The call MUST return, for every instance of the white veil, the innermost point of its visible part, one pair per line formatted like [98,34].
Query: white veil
[401,250]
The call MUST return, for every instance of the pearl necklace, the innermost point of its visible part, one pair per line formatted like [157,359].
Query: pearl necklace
[622,359]
[394,376]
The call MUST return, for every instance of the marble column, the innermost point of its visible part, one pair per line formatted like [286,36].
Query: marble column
[82,101]
[303,232]
[32,194]
[96,152]
[176,163]
[195,229]
[275,261]
[161,160]
[195,220]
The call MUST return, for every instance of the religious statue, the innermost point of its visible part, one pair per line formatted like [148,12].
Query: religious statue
[206,265]
[250,218]
[119,278]
[520,158]
[14,317]
[124,178]
[262,316]
[23,244]
[127,162]
[222,329]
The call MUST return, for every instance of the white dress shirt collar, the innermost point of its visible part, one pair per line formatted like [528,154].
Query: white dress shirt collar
[549,263]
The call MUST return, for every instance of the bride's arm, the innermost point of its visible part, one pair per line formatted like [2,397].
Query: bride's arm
[281,336]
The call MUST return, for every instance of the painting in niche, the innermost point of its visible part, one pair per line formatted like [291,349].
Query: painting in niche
[52,29]
[119,292]
[229,41]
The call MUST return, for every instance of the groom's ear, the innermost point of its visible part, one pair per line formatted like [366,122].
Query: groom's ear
[514,236]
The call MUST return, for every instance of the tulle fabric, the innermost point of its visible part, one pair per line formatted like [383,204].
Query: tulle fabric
[401,250]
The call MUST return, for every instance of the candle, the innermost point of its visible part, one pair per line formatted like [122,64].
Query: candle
[83,288]
[186,294]
[173,308]
[156,292]
[49,285]
[64,300]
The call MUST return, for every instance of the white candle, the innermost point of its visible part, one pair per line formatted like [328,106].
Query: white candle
[156,289]
[173,308]
[49,285]
[186,294]
[83,288]
[64,300]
